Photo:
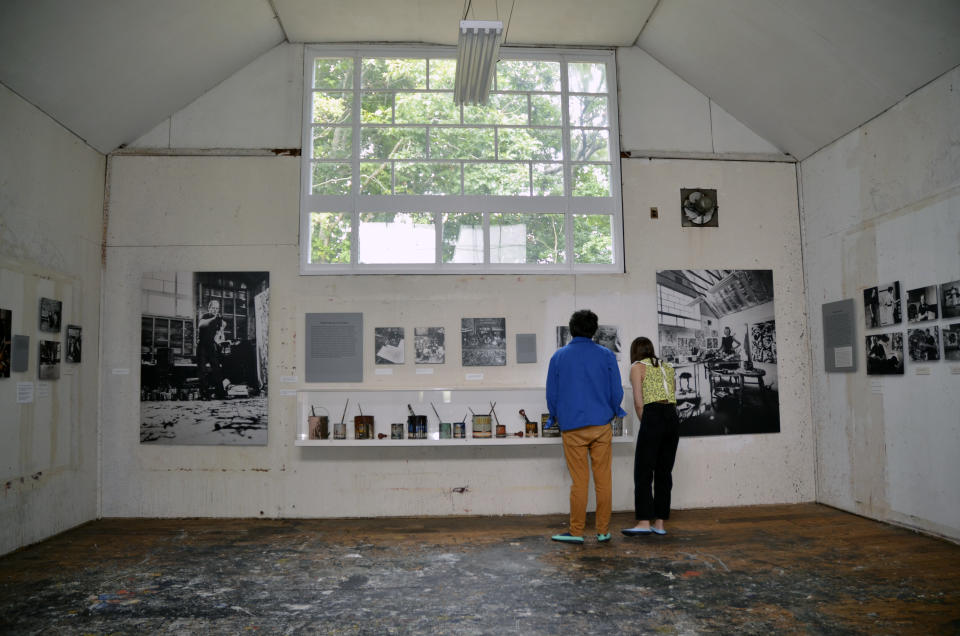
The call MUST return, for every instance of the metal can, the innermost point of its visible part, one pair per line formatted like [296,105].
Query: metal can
[459,430]
[363,427]
[445,430]
[396,430]
[481,427]
[340,430]
[545,429]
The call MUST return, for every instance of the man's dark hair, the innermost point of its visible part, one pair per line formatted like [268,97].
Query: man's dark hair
[583,323]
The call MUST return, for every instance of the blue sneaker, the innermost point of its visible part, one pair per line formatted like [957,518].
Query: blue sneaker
[603,538]
[566,537]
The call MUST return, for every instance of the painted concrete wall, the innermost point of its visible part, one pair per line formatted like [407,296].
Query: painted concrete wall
[241,212]
[883,204]
[51,205]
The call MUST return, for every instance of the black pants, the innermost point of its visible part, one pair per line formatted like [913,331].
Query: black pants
[657,443]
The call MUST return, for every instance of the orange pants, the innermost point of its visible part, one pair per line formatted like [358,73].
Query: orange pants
[578,444]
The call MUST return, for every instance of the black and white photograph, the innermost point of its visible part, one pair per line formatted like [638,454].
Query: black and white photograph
[698,207]
[483,342]
[429,344]
[951,342]
[203,358]
[950,299]
[885,354]
[49,367]
[607,336]
[74,344]
[50,314]
[388,345]
[716,328]
[922,304]
[6,317]
[881,305]
[923,344]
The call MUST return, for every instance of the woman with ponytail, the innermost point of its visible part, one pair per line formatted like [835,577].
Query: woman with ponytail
[654,398]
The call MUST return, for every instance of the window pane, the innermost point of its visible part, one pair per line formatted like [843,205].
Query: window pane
[228,305]
[382,72]
[526,238]
[592,238]
[333,73]
[588,144]
[377,108]
[587,77]
[393,143]
[161,332]
[545,110]
[332,108]
[502,109]
[591,180]
[461,143]
[428,178]
[548,179]
[504,179]
[392,237]
[543,144]
[329,237]
[427,108]
[332,142]
[146,334]
[375,178]
[331,178]
[442,74]
[517,75]
[588,111]
[462,238]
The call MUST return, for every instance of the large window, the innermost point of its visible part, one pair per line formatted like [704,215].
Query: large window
[397,178]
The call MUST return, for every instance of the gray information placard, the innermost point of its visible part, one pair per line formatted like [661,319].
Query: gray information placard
[839,337]
[526,347]
[20,354]
[334,347]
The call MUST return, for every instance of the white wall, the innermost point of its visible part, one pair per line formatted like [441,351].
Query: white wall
[241,212]
[883,204]
[51,205]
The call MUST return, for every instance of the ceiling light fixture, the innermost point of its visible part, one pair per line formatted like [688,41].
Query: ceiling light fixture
[478,48]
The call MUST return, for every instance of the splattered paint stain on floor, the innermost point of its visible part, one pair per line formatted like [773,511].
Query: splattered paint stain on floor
[748,570]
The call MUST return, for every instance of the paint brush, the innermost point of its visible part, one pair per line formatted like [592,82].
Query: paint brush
[313,411]
[471,413]
[360,408]
[435,412]
[344,416]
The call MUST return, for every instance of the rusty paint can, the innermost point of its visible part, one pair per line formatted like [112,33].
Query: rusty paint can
[501,430]
[482,426]
[459,430]
[319,426]
[363,427]
[445,428]
[531,428]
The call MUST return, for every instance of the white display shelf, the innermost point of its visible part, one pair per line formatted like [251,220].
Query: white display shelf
[389,406]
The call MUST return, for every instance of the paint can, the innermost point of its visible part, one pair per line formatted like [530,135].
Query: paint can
[340,430]
[481,426]
[617,424]
[319,426]
[445,430]
[416,427]
[545,429]
[396,430]
[363,427]
[459,430]
[531,428]
[501,431]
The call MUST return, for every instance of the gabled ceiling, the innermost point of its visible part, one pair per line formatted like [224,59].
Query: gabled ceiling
[800,73]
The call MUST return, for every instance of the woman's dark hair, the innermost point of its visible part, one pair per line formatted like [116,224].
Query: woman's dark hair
[583,324]
[640,349]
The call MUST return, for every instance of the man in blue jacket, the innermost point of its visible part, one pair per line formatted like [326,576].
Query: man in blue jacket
[583,396]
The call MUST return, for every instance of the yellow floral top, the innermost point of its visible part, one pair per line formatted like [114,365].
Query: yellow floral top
[659,382]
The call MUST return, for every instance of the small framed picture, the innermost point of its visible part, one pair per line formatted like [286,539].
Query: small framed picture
[50,313]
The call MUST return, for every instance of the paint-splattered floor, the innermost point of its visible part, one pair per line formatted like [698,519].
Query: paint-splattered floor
[757,570]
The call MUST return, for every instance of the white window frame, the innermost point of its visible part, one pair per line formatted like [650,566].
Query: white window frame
[355,203]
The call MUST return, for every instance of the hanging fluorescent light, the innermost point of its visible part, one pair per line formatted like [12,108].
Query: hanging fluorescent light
[478,48]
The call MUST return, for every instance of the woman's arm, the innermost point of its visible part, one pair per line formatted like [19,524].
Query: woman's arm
[637,372]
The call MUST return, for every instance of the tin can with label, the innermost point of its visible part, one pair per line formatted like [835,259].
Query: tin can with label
[617,425]
[363,427]
[445,430]
[545,429]
[396,430]
[340,430]
[459,430]
[482,427]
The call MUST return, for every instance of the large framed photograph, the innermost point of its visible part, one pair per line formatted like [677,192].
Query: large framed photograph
[607,336]
[430,345]
[49,357]
[203,358]
[881,305]
[717,328]
[922,304]
[50,314]
[483,342]
[885,353]
[6,317]
[923,344]
[950,299]
[74,344]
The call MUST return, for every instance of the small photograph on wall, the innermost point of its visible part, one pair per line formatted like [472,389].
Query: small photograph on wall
[922,304]
[951,342]
[881,305]
[716,328]
[607,336]
[50,313]
[388,345]
[74,344]
[699,207]
[483,342]
[203,358]
[6,317]
[49,368]
[923,344]
[429,344]
[950,299]
[885,354]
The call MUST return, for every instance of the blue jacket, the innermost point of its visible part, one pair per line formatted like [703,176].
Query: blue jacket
[583,385]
